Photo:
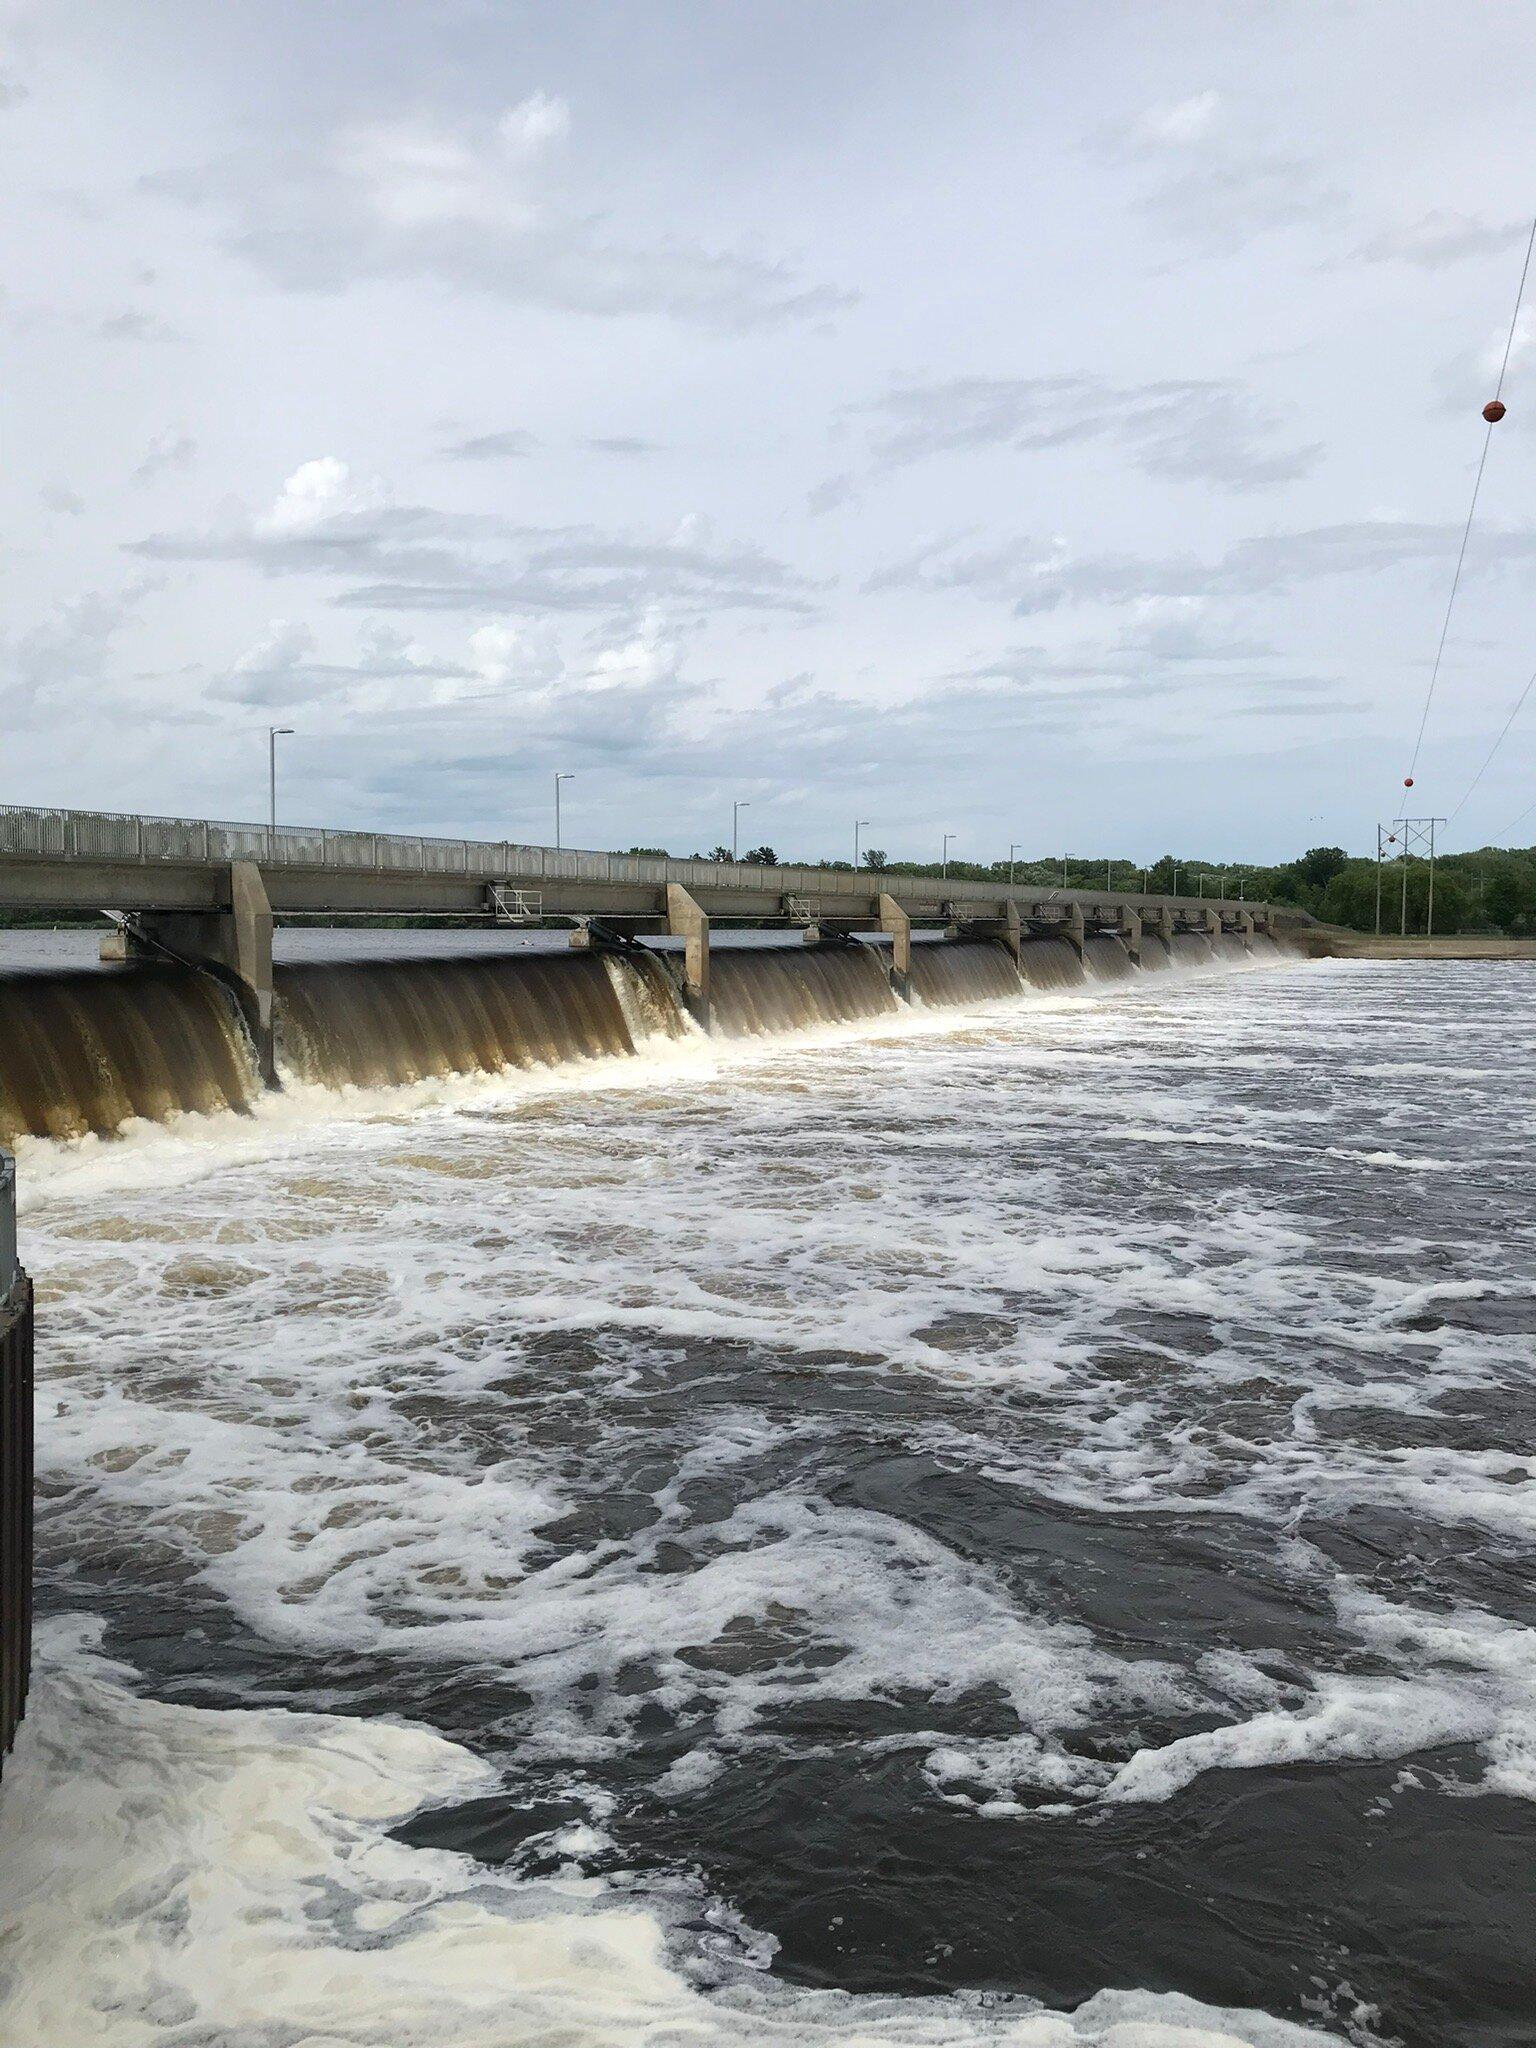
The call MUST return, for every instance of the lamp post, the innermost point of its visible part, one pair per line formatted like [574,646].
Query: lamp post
[1063,871]
[858,827]
[736,811]
[559,778]
[274,734]
[944,863]
[1012,850]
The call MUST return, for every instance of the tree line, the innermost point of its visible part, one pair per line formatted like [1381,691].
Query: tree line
[1491,890]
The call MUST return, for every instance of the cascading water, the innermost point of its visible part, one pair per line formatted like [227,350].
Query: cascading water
[378,1023]
[1106,958]
[1052,963]
[87,1051]
[758,992]
[1192,949]
[963,971]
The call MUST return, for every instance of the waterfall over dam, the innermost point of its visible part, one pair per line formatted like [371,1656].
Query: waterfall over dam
[86,1051]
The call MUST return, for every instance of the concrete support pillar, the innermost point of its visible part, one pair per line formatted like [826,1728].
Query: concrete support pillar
[894,919]
[1161,921]
[1129,925]
[250,945]
[1212,921]
[686,921]
[234,944]
[1072,930]
[1011,934]
[1245,928]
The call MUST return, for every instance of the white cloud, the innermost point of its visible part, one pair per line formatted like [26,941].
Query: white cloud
[319,491]
[1219,179]
[326,521]
[1177,123]
[533,124]
[167,451]
[475,206]
[1441,237]
[58,668]
[502,654]
[1210,430]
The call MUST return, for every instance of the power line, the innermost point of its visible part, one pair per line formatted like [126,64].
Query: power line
[1488,757]
[1493,412]
[1517,821]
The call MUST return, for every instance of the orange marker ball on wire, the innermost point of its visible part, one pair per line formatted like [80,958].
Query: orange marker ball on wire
[1407,782]
[1493,411]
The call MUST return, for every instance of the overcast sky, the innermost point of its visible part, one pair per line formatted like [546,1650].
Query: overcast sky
[1048,423]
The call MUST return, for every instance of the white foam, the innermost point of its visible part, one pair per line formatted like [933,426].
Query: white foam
[340,1364]
[176,1875]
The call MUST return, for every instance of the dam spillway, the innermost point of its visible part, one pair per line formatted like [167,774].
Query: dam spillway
[90,1051]
[87,1052]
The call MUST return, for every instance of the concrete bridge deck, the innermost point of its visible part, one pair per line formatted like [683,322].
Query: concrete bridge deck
[207,894]
[94,860]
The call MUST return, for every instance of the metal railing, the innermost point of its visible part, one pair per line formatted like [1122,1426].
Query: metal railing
[122,837]
[15,1468]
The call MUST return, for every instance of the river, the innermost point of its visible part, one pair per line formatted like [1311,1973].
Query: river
[1012,1524]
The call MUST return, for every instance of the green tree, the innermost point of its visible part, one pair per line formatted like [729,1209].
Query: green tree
[874,858]
[1319,864]
[1350,898]
[761,857]
[1509,898]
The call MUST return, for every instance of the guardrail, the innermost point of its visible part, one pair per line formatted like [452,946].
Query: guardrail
[15,1468]
[149,841]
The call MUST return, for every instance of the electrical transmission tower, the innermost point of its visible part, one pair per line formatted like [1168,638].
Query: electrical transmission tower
[1418,837]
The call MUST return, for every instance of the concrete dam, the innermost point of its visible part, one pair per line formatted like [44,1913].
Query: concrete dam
[195,1016]
[84,1051]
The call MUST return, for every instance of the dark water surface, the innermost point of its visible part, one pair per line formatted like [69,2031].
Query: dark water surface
[1030,1508]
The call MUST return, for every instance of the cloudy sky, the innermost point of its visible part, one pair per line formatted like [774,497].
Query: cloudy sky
[1050,423]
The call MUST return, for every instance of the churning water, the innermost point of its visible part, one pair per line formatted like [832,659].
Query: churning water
[1008,1524]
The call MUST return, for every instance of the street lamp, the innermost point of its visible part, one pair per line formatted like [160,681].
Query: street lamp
[858,827]
[1012,850]
[736,811]
[559,778]
[274,733]
[944,863]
